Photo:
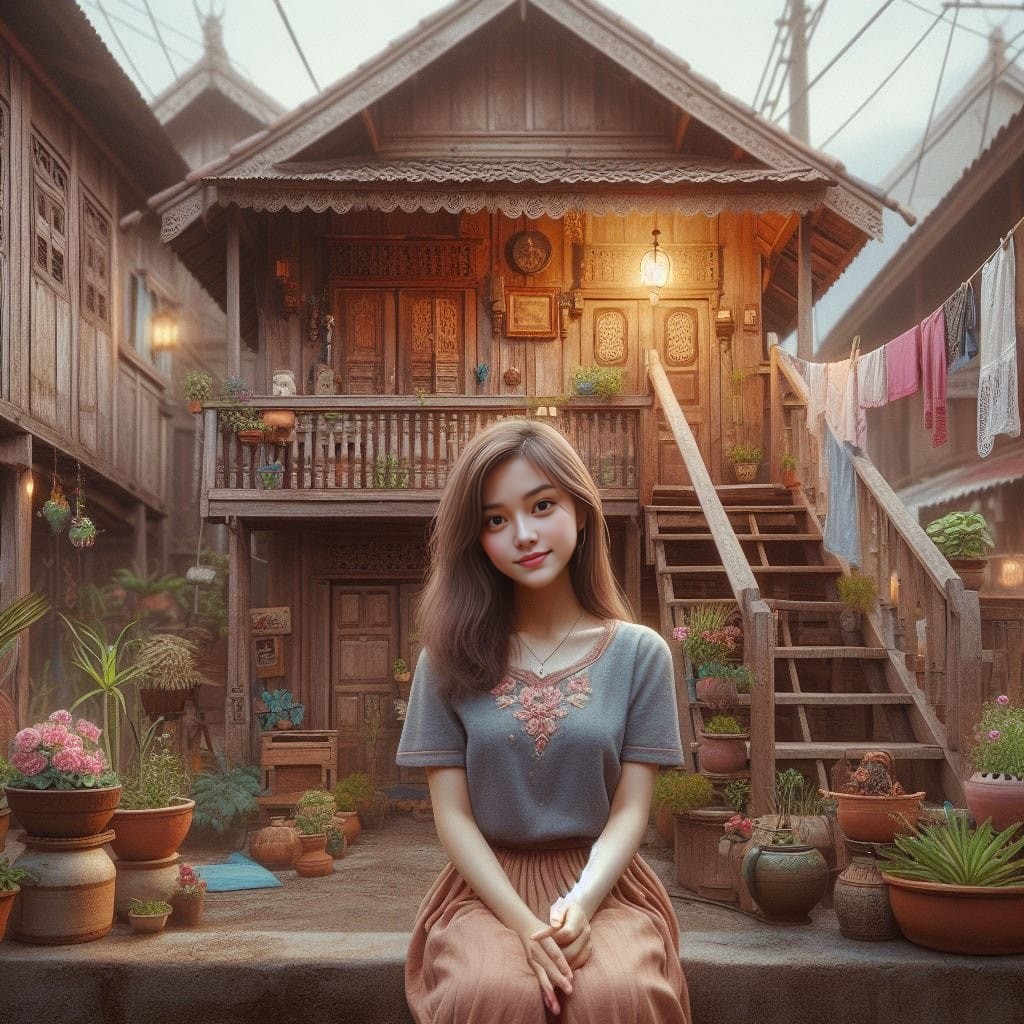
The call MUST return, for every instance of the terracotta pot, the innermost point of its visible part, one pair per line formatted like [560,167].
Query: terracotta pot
[71,896]
[372,812]
[6,903]
[664,822]
[188,910]
[279,419]
[972,919]
[861,902]
[147,924]
[348,822]
[144,880]
[251,436]
[999,797]
[195,407]
[790,479]
[973,571]
[717,693]
[165,702]
[314,861]
[746,472]
[869,819]
[786,882]
[64,813]
[151,834]
[5,823]
[276,847]
[723,754]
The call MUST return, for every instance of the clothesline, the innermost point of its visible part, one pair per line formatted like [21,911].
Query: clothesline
[1002,241]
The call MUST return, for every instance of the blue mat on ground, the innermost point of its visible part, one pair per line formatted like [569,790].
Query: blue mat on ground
[237,872]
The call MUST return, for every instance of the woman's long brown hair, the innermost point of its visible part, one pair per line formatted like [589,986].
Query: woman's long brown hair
[465,614]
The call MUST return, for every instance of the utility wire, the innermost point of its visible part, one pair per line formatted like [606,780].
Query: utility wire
[305,63]
[780,24]
[124,49]
[828,67]
[931,113]
[111,18]
[885,81]
[160,39]
[170,27]
[961,27]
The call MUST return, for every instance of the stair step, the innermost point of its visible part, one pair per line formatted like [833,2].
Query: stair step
[689,602]
[828,700]
[671,537]
[781,570]
[834,751]
[737,509]
[838,651]
[785,605]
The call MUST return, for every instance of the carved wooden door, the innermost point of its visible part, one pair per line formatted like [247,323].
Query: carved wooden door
[683,339]
[430,342]
[366,362]
[364,645]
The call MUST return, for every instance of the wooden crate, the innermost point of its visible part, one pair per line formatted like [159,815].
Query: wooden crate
[298,759]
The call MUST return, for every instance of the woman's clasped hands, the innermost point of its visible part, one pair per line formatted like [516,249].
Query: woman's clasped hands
[555,951]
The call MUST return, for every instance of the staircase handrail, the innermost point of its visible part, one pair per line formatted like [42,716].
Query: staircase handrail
[757,617]
[910,575]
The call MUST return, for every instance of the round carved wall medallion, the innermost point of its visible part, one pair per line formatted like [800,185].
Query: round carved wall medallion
[512,377]
[529,252]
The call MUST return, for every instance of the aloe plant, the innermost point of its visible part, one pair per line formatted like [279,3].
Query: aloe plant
[952,853]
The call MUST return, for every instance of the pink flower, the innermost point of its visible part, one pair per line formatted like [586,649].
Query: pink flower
[73,742]
[60,717]
[1002,700]
[85,728]
[69,761]
[53,735]
[994,734]
[93,764]
[681,633]
[27,740]
[28,763]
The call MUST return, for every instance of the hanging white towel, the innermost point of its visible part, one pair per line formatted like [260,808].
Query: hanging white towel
[997,379]
[871,380]
[842,410]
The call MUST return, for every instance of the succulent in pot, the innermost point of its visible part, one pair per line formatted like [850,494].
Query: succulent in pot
[963,537]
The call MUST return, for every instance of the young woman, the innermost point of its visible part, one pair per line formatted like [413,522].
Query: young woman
[541,715]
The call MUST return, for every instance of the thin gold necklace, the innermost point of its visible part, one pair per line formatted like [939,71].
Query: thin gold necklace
[543,661]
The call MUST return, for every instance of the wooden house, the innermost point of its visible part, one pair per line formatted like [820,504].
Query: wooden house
[438,241]
[82,391]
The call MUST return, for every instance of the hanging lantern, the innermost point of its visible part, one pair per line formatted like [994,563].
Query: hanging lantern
[163,331]
[1011,572]
[655,268]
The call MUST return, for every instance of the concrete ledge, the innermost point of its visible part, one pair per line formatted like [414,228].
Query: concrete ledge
[759,975]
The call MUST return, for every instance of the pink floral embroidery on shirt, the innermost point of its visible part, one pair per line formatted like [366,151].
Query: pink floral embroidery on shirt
[540,707]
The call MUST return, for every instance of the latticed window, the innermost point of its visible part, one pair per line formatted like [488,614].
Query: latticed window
[49,200]
[95,262]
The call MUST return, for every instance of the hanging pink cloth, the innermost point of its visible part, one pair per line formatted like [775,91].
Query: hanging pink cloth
[933,375]
[902,364]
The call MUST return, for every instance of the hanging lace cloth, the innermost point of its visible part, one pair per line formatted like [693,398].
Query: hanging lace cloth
[997,381]
[961,328]
[843,413]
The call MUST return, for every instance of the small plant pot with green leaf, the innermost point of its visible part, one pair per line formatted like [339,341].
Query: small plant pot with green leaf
[149,916]
[719,685]
[314,822]
[722,746]
[964,537]
[597,381]
[11,879]
[959,889]
[746,461]
[198,388]
[675,793]
[789,475]
[859,596]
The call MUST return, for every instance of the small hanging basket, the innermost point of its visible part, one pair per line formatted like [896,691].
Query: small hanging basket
[201,575]
[82,532]
[56,511]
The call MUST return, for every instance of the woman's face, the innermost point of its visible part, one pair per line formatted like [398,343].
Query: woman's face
[529,526]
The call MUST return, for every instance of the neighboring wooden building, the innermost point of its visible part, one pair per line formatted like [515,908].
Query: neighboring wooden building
[472,209]
[79,381]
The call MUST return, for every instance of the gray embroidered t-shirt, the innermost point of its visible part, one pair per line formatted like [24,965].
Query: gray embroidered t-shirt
[543,756]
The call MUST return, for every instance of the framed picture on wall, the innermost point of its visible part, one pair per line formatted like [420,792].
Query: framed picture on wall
[531,312]
[266,657]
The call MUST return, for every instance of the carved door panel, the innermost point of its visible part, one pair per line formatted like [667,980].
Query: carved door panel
[364,645]
[366,362]
[683,339]
[430,342]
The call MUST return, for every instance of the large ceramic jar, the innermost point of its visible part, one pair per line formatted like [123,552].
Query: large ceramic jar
[151,834]
[276,847]
[786,882]
[992,795]
[71,895]
[861,902]
[64,813]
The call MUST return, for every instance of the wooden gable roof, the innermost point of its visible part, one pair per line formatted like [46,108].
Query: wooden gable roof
[538,106]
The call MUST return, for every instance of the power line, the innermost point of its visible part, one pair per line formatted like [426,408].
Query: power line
[828,67]
[111,18]
[169,26]
[160,38]
[885,81]
[960,27]
[302,56]
[124,49]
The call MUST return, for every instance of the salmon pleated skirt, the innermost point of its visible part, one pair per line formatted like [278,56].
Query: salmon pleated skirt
[465,967]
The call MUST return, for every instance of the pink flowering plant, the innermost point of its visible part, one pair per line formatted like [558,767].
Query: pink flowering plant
[706,636]
[738,829]
[1000,739]
[189,883]
[59,753]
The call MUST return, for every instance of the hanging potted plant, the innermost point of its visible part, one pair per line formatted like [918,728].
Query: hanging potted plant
[963,537]
[722,746]
[958,889]
[168,674]
[996,789]
[56,510]
[789,477]
[198,388]
[271,476]
[675,793]
[746,460]
[82,531]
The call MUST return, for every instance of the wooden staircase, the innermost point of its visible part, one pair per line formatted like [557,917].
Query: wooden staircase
[838,687]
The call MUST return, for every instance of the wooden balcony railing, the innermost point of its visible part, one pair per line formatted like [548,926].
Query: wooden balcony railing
[347,444]
[933,618]
[757,617]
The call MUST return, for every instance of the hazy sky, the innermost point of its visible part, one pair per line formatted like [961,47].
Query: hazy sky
[731,47]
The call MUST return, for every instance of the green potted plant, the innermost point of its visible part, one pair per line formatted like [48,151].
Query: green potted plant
[225,797]
[189,897]
[719,684]
[246,423]
[958,889]
[597,381]
[963,538]
[737,796]
[10,885]
[168,674]
[746,460]
[789,477]
[198,388]
[857,592]
[400,671]
[314,816]
[674,793]
[148,916]
[722,746]
[996,789]
[706,637]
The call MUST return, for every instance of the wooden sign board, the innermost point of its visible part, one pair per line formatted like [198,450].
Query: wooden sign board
[270,621]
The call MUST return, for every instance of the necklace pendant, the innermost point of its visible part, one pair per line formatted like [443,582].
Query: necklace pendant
[540,672]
